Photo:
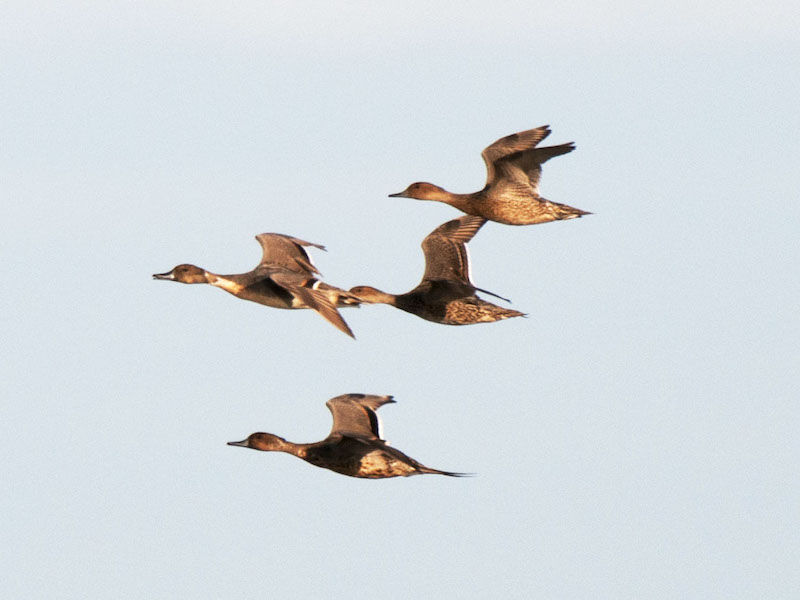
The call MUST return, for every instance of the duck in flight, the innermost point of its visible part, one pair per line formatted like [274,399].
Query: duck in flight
[285,278]
[446,293]
[511,195]
[354,446]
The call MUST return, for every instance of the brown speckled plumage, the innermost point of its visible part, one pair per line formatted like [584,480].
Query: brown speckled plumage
[354,446]
[511,195]
[285,278]
[446,294]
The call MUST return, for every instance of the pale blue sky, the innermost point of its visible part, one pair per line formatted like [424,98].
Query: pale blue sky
[635,437]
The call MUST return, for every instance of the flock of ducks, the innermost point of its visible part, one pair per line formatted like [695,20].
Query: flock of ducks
[286,278]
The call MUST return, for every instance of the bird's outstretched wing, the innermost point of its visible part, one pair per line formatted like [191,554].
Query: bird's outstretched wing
[446,255]
[287,252]
[511,144]
[355,414]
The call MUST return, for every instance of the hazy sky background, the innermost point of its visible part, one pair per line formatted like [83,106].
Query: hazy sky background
[634,437]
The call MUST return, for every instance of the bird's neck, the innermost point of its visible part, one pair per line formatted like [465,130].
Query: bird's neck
[225,282]
[381,297]
[462,202]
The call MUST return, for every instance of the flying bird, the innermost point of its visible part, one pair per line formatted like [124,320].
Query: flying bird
[446,293]
[354,447]
[285,278]
[511,195]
